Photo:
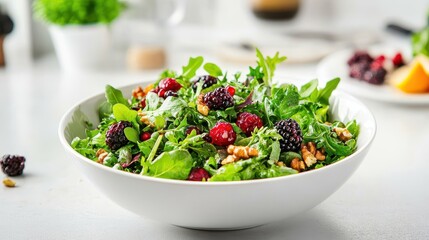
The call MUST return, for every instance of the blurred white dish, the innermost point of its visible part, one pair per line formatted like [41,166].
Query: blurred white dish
[335,65]
[218,205]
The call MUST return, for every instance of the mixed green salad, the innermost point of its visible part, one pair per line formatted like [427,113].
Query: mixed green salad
[219,126]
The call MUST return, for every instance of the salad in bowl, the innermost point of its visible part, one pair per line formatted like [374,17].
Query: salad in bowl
[219,126]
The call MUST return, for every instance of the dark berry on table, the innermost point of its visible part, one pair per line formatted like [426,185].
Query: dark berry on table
[169,84]
[145,136]
[357,70]
[198,174]
[12,165]
[360,56]
[231,90]
[170,93]
[380,59]
[247,122]
[291,133]
[115,136]
[375,76]
[222,134]
[219,99]
[398,60]
[189,129]
[207,80]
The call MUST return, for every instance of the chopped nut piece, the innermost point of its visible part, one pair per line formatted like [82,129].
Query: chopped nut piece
[297,164]
[229,159]
[203,109]
[320,156]
[280,164]
[201,106]
[145,120]
[99,152]
[343,134]
[239,152]
[8,182]
[138,93]
[311,147]
[307,155]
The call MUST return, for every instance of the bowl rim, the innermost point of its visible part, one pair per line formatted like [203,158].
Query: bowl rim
[337,93]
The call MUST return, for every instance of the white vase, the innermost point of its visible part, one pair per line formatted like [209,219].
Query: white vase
[82,48]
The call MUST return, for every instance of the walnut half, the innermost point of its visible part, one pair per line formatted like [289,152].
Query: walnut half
[237,153]
[343,134]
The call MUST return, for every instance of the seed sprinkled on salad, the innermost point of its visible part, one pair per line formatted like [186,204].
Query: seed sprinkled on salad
[218,126]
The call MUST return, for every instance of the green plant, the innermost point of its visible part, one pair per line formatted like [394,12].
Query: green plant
[65,12]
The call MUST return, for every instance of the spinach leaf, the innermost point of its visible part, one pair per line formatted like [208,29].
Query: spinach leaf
[123,113]
[104,110]
[175,164]
[131,134]
[115,96]
[213,70]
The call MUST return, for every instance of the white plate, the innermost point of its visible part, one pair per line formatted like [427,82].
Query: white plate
[335,65]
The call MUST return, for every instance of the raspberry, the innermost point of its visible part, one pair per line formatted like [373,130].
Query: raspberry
[248,122]
[219,99]
[398,60]
[161,93]
[145,136]
[360,56]
[207,81]
[231,90]
[222,134]
[169,84]
[198,174]
[375,75]
[12,165]
[115,136]
[189,129]
[357,70]
[291,133]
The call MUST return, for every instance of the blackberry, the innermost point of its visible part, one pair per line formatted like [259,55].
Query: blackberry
[190,128]
[357,70]
[12,165]
[219,99]
[360,56]
[207,81]
[291,132]
[375,75]
[115,136]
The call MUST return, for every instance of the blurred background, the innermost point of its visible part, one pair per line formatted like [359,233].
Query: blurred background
[171,30]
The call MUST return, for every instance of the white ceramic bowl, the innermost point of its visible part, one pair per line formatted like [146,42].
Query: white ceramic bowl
[218,205]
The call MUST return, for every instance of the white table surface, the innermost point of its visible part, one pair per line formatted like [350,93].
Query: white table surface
[387,197]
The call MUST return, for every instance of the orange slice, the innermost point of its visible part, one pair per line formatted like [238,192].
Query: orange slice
[412,79]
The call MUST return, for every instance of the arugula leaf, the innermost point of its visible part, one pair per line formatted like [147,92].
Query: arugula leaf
[213,70]
[175,164]
[268,65]
[115,96]
[420,42]
[194,64]
[325,93]
[308,88]
[104,110]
